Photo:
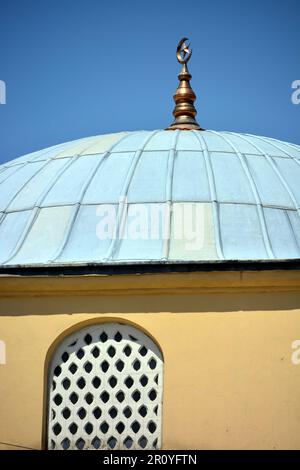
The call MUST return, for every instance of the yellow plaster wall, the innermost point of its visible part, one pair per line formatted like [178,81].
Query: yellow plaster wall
[229,380]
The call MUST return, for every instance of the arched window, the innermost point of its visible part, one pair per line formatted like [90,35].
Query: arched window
[105,390]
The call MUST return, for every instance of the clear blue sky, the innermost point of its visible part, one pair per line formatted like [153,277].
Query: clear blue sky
[75,68]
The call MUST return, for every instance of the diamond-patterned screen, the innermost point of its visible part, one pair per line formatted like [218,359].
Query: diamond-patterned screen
[105,390]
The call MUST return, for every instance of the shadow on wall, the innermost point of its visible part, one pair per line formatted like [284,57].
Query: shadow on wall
[117,304]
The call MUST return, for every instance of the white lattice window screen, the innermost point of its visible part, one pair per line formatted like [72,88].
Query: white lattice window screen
[105,391]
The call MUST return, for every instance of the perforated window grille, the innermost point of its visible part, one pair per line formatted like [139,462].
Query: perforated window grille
[105,390]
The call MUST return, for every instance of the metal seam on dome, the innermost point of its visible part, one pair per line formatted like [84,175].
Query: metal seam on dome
[288,144]
[25,184]
[3,169]
[298,163]
[189,151]
[296,160]
[32,160]
[283,181]
[72,143]
[32,219]
[213,194]
[58,147]
[145,151]
[45,151]
[82,152]
[168,194]
[209,201]
[11,174]
[36,209]
[23,235]
[41,153]
[292,157]
[2,217]
[114,244]
[250,178]
[54,180]
[82,194]
[29,162]
[16,164]
[251,181]
[170,165]
[292,146]
[68,230]
[274,166]
[208,167]
[39,158]
[293,230]
[97,138]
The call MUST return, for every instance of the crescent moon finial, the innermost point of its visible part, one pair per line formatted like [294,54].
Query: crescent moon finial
[184,111]
[183,51]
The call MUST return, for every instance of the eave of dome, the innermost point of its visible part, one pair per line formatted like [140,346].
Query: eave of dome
[247,186]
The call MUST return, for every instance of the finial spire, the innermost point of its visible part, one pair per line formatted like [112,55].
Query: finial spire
[184,111]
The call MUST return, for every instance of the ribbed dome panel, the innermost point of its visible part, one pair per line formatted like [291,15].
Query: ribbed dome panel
[246,188]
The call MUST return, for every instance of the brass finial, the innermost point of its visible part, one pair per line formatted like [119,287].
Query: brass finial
[184,111]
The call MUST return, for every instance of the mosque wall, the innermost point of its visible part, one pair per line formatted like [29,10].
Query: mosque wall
[229,341]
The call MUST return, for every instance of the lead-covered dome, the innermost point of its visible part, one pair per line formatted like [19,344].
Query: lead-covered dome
[247,190]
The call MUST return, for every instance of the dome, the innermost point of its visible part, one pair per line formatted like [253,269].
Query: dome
[245,187]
